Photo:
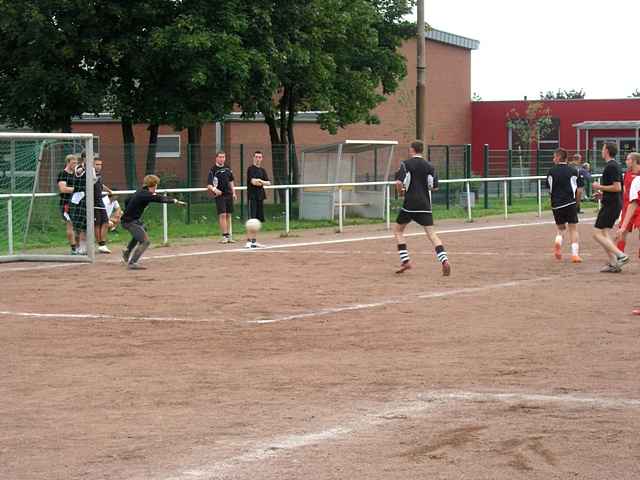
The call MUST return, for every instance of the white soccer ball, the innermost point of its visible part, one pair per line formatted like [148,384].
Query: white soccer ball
[253,225]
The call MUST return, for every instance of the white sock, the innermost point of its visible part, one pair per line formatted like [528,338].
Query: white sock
[575,249]
[559,239]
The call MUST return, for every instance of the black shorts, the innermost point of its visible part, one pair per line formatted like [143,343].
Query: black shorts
[224,204]
[101,217]
[568,214]
[64,212]
[608,216]
[421,218]
[256,209]
[78,214]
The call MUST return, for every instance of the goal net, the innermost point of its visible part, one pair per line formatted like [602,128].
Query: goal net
[38,222]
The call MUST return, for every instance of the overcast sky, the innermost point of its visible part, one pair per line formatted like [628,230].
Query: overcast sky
[526,47]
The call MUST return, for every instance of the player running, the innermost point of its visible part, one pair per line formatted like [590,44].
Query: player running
[629,176]
[132,220]
[416,178]
[563,181]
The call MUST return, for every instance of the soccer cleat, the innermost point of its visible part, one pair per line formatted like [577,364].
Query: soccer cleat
[557,251]
[611,269]
[125,256]
[622,261]
[258,245]
[135,266]
[446,268]
[104,249]
[225,240]
[404,267]
[249,245]
[635,311]
[576,259]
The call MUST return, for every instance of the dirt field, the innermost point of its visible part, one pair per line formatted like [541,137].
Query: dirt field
[316,362]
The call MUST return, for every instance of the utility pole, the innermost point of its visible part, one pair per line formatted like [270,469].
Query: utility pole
[421,87]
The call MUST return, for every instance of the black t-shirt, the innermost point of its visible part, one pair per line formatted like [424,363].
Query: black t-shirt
[220,178]
[418,177]
[610,175]
[562,181]
[260,173]
[70,180]
[135,205]
[97,193]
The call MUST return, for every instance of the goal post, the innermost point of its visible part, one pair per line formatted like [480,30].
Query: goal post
[33,213]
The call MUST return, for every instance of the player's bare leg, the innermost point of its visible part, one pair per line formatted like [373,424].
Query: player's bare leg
[574,239]
[616,258]
[405,260]
[557,244]
[224,227]
[440,251]
[71,237]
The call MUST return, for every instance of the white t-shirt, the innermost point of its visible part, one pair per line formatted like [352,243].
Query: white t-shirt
[634,190]
[111,206]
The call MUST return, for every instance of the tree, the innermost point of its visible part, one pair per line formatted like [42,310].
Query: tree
[528,128]
[563,94]
[335,56]
[48,55]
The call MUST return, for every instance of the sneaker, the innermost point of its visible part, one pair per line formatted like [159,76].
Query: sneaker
[74,252]
[230,240]
[611,269]
[104,249]
[225,240]
[81,251]
[248,245]
[125,256]
[404,267]
[135,266]
[557,251]
[576,259]
[258,245]
[446,268]
[623,261]
[635,312]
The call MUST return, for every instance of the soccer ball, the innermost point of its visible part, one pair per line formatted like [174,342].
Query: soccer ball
[253,225]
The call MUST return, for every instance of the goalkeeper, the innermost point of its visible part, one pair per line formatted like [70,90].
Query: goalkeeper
[132,220]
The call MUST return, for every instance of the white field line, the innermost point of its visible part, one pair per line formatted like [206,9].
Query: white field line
[297,245]
[435,400]
[396,301]
[90,316]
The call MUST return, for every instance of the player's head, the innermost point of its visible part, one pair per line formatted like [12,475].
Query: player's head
[416,148]
[221,158]
[576,159]
[151,182]
[257,157]
[70,162]
[97,165]
[560,155]
[586,166]
[609,150]
[633,162]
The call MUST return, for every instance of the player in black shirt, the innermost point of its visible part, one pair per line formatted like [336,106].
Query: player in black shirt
[610,187]
[99,208]
[221,185]
[257,179]
[416,178]
[563,181]
[132,220]
[66,181]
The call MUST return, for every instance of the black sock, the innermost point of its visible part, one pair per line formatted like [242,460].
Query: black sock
[132,245]
[253,240]
[102,244]
[441,254]
[225,235]
[73,248]
[403,252]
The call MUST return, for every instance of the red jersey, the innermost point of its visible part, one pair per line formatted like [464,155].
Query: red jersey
[635,221]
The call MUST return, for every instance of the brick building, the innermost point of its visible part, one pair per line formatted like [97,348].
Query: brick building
[448,118]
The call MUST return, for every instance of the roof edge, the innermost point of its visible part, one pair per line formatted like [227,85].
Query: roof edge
[452,39]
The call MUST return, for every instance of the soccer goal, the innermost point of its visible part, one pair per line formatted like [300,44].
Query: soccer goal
[38,222]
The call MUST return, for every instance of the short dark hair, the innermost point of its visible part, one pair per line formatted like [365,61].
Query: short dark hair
[221,152]
[417,146]
[562,153]
[257,152]
[612,148]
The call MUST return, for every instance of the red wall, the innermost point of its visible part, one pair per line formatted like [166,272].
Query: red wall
[489,121]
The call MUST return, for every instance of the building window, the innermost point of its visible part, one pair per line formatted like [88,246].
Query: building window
[549,139]
[168,146]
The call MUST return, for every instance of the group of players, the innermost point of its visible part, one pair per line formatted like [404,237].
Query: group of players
[415,180]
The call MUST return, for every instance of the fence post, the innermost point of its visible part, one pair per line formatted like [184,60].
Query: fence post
[388,206]
[469,200]
[510,174]
[467,161]
[537,175]
[447,171]
[287,211]
[485,159]
[189,183]
[505,192]
[165,223]
[10,224]
[340,219]
[242,180]
[539,198]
